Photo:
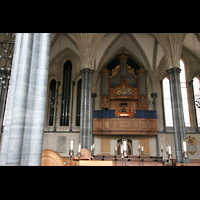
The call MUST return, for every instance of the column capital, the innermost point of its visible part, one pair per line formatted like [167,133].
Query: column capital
[153,94]
[87,70]
[190,82]
[174,69]
[94,95]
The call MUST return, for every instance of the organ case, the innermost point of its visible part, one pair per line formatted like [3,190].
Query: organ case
[123,89]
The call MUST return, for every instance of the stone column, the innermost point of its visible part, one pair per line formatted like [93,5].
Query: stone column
[10,101]
[154,95]
[70,128]
[94,95]
[30,100]
[88,132]
[81,109]
[163,110]
[37,127]
[85,124]
[177,112]
[22,139]
[20,101]
[194,105]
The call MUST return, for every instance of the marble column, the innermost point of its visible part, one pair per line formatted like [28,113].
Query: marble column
[10,101]
[85,117]
[177,112]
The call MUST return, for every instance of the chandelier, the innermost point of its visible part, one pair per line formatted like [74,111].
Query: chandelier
[6,55]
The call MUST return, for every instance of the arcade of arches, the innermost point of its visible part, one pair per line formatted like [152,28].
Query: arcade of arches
[101,88]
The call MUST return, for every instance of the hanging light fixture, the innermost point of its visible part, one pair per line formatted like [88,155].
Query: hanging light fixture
[7,47]
[6,56]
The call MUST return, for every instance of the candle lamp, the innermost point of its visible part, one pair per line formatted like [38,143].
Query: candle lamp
[185,154]
[139,154]
[115,149]
[71,149]
[161,149]
[125,152]
[93,148]
[122,155]
[79,151]
[142,152]
[167,150]
[121,149]
[169,153]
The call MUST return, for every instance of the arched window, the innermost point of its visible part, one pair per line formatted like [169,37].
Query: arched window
[196,87]
[66,94]
[52,101]
[184,94]
[78,104]
[167,103]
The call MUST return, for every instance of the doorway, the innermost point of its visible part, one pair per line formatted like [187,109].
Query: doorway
[129,144]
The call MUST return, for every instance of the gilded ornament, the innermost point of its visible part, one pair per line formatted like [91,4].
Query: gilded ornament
[114,71]
[191,145]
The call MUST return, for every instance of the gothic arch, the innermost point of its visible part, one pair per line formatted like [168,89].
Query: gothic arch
[63,56]
[110,58]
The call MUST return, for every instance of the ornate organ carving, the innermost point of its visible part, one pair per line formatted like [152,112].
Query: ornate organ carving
[123,88]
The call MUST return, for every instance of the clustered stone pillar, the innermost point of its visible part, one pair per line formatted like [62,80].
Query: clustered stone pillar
[177,112]
[85,115]
[24,122]
[154,96]
[94,95]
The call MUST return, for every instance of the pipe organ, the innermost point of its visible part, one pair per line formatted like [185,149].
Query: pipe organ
[124,92]
[123,89]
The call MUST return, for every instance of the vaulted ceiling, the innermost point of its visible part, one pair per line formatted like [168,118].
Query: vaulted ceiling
[144,48]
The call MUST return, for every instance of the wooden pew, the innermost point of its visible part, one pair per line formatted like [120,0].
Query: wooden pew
[66,160]
[132,163]
[194,162]
[188,164]
[51,158]
[95,163]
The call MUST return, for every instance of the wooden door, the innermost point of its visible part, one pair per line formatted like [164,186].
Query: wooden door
[145,143]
